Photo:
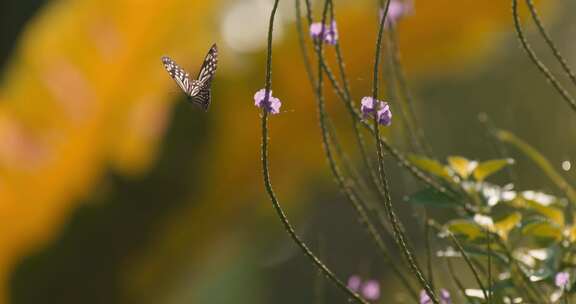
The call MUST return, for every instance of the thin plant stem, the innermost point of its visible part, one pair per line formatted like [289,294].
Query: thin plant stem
[549,41]
[399,236]
[489,255]
[500,149]
[469,263]
[534,58]
[541,161]
[302,43]
[268,184]
[345,160]
[344,186]
[288,227]
[400,158]
[428,247]
[457,281]
[319,287]
[413,123]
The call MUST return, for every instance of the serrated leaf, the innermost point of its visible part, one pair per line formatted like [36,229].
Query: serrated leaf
[429,165]
[462,166]
[433,198]
[489,167]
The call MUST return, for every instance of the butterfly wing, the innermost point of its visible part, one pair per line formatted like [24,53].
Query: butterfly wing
[209,65]
[200,88]
[177,73]
[202,97]
[197,90]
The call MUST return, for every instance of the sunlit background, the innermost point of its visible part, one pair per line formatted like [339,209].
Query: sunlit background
[113,189]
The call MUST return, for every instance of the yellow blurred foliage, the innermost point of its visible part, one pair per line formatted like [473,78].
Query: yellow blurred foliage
[85,91]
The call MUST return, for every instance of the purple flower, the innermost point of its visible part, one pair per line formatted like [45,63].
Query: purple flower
[424,298]
[562,279]
[330,35]
[444,297]
[354,283]
[371,290]
[273,104]
[316,30]
[384,115]
[397,9]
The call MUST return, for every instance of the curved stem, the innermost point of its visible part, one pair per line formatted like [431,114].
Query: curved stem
[549,41]
[268,184]
[336,172]
[534,58]
[414,126]
[399,235]
[286,223]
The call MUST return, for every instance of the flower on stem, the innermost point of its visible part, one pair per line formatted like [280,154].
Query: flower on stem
[562,280]
[383,113]
[369,290]
[330,35]
[397,9]
[272,105]
[444,297]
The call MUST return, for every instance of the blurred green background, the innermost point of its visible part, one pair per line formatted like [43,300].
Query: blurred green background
[113,189]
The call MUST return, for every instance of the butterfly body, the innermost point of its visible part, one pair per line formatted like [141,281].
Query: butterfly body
[196,90]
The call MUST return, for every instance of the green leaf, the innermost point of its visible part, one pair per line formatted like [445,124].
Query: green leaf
[467,229]
[489,167]
[433,198]
[542,233]
[429,165]
[462,166]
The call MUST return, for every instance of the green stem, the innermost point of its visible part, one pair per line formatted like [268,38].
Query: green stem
[469,264]
[413,123]
[534,58]
[286,223]
[549,42]
[336,172]
[399,236]
[540,161]
[268,184]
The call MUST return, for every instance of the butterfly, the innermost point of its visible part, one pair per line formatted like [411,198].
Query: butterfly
[197,90]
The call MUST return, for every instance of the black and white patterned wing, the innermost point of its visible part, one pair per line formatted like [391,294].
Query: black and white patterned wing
[200,88]
[178,74]
[209,65]
[202,97]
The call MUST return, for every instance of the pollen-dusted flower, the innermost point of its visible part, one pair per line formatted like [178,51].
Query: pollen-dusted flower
[383,113]
[562,280]
[330,35]
[271,106]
